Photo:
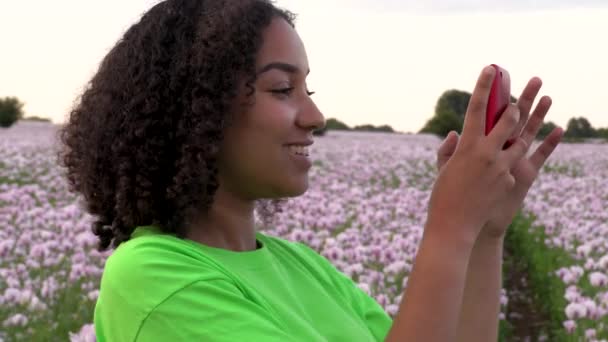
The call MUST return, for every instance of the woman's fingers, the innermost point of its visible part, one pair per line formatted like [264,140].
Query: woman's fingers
[475,118]
[536,120]
[538,158]
[516,152]
[527,99]
[446,150]
[506,126]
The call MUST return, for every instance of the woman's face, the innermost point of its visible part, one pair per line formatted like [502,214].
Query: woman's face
[256,159]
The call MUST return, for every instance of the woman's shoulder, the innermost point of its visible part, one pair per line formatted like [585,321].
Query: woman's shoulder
[281,246]
[148,268]
[300,254]
[158,256]
[144,272]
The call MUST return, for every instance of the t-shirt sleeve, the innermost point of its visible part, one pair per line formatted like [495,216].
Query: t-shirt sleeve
[371,312]
[210,310]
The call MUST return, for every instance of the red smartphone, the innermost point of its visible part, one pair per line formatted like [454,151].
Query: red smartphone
[500,97]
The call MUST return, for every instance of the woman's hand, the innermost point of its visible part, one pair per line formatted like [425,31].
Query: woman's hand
[523,170]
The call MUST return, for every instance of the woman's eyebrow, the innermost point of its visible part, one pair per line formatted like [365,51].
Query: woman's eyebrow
[286,67]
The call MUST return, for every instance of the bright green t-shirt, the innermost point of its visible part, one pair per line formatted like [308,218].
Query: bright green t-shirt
[158,287]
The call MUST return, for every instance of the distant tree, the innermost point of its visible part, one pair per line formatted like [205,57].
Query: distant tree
[455,101]
[545,129]
[11,110]
[602,133]
[364,127]
[372,128]
[579,128]
[335,124]
[36,118]
[450,112]
[442,123]
[320,132]
[386,128]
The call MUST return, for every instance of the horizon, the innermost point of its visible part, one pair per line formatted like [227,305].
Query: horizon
[362,73]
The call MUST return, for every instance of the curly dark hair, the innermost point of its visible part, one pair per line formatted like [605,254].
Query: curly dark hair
[141,143]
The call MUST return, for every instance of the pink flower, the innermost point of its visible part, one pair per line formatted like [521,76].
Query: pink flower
[86,334]
[392,309]
[382,299]
[569,278]
[570,326]
[591,307]
[603,262]
[364,287]
[395,268]
[504,300]
[576,311]
[577,271]
[583,250]
[92,295]
[16,320]
[598,279]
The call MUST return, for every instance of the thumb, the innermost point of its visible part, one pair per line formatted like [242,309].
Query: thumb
[447,148]
[448,145]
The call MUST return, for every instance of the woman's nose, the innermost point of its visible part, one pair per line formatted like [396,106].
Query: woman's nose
[311,117]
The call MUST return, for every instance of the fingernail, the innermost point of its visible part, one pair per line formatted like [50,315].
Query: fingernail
[490,70]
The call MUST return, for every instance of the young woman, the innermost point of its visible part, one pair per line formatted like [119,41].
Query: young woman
[199,115]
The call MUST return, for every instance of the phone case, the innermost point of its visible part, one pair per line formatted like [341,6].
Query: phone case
[500,97]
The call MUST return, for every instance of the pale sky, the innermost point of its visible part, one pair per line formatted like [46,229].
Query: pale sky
[378,62]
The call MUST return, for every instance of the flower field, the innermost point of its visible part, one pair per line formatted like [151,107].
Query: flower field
[364,211]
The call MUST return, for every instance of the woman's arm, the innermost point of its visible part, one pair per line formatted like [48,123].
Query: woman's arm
[432,300]
[481,303]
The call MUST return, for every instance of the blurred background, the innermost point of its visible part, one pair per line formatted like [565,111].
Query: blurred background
[373,63]
[392,67]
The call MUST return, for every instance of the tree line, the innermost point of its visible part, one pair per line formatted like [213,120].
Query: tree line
[11,111]
[449,115]
[337,125]
[452,105]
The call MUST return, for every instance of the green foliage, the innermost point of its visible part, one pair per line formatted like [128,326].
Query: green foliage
[372,128]
[36,118]
[11,110]
[579,128]
[455,101]
[336,124]
[545,129]
[449,115]
[442,123]
[602,133]
[450,110]
[67,309]
[505,331]
[320,132]
[528,242]
[392,181]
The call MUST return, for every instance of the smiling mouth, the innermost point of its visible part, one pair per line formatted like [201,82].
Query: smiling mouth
[299,150]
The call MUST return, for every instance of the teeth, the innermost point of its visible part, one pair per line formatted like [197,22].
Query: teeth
[298,149]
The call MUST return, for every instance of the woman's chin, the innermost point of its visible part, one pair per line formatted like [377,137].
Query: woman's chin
[296,188]
[290,187]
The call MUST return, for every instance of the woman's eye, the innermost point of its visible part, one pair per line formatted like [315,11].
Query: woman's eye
[283,91]
[287,91]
